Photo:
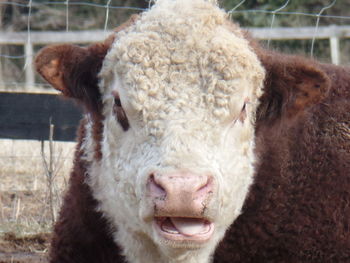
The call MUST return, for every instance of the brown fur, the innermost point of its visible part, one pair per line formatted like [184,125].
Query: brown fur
[298,209]
[81,233]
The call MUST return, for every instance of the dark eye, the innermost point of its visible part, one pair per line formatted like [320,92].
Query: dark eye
[117,102]
[119,113]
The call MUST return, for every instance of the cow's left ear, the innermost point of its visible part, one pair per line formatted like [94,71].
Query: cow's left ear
[292,85]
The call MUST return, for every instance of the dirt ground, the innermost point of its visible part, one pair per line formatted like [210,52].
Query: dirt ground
[27,212]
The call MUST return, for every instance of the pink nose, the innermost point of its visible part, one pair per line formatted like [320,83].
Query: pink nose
[180,194]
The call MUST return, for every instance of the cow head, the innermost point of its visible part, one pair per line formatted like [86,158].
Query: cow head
[170,126]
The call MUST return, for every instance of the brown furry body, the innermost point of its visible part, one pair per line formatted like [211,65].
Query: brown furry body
[298,209]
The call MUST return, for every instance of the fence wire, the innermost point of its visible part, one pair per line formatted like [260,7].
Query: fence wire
[24,59]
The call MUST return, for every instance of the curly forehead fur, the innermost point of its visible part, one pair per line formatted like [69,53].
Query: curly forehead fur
[181,44]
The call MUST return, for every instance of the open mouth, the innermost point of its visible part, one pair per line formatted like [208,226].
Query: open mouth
[184,229]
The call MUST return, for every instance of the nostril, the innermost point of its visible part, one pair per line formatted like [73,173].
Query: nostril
[155,188]
[207,186]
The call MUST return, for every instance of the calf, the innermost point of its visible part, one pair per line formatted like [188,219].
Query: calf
[187,120]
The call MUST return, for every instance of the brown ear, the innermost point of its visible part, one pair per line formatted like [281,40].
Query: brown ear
[73,70]
[292,85]
[56,63]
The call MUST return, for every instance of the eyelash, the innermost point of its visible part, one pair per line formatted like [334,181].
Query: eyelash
[243,108]
[243,113]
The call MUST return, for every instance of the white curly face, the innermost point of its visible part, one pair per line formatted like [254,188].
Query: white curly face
[176,179]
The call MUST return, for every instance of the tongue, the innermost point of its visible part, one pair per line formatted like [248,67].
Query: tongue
[190,226]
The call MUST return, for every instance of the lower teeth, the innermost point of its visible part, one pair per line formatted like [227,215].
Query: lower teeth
[170,231]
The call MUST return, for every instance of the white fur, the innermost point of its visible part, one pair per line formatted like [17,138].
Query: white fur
[183,74]
[88,144]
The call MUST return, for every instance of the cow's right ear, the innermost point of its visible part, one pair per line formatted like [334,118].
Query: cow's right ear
[57,65]
[73,70]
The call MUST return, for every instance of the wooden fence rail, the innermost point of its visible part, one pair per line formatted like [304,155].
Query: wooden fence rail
[28,116]
[333,33]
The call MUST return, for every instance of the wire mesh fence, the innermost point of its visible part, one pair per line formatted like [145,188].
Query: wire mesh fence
[26,18]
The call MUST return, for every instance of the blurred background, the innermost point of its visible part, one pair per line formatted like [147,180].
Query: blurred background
[34,173]
[27,18]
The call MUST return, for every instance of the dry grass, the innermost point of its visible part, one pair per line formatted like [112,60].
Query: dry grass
[25,207]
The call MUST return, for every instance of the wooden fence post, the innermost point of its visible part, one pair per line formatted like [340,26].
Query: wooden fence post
[29,72]
[334,43]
